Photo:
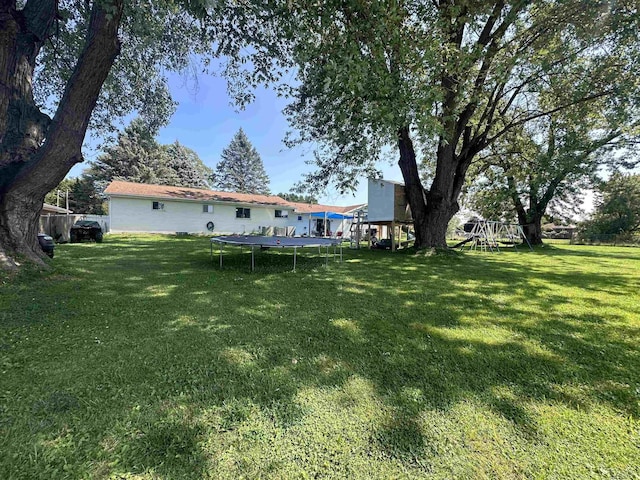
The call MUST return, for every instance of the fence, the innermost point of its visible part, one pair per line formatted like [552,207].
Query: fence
[59,226]
[606,239]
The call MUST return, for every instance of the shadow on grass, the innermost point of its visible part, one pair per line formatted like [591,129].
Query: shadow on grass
[190,334]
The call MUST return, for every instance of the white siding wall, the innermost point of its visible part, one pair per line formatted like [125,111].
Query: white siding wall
[381,200]
[137,215]
[302,226]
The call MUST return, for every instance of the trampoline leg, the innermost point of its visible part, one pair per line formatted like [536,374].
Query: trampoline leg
[340,253]
[326,258]
[253,264]
[220,256]
[295,251]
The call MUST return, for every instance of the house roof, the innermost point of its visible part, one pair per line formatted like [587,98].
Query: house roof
[316,208]
[48,208]
[119,188]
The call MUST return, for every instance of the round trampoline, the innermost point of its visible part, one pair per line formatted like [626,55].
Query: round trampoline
[277,242]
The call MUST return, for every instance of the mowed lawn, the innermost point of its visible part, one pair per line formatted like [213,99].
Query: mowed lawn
[140,358]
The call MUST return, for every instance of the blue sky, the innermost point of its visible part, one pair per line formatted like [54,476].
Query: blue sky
[205,121]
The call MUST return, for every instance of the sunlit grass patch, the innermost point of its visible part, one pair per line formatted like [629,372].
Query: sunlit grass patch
[141,358]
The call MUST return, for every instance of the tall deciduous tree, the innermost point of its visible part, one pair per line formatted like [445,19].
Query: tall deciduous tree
[618,208]
[81,194]
[298,197]
[36,151]
[444,73]
[68,65]
[240,168]
[542,168]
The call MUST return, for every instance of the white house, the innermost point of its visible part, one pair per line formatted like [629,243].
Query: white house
[136,207]
[322,220]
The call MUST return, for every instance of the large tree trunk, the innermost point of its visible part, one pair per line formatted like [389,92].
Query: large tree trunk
[533,229]
[531,223]
[431,210]
[35,152]
[413,186]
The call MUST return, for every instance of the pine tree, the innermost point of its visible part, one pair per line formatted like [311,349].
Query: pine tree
[137,157]
[187,165]
[241,169]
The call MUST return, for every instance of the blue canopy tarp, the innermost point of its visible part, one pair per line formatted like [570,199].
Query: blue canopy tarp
[331,215]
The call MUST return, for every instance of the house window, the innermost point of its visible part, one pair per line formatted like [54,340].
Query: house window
[243,212]
[299,218]
[281,214]
[158,206]
[207,208]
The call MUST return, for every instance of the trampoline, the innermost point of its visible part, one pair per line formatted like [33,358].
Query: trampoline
[276,242]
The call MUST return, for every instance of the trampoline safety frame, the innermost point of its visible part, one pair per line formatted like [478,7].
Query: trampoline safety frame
[277,242]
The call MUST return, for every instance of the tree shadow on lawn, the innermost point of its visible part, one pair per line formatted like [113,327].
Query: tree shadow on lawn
[219,338]
[592,251]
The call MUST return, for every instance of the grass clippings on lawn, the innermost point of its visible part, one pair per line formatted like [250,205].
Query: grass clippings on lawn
[139,358]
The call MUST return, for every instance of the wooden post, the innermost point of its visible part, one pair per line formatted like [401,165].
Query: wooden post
[393,236]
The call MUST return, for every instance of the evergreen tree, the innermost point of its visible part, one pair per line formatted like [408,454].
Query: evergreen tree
[189,169]
[241,169]
[137,157]
[86,199]
[83,196]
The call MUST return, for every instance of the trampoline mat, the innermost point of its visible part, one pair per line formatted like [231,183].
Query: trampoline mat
[276,241]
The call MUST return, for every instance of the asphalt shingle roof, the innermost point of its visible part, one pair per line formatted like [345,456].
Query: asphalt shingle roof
[129,189]
[118,188]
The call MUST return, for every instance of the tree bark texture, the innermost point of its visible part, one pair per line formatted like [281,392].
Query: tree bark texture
[531,220]
[431,210]
[532,227]
[36,152]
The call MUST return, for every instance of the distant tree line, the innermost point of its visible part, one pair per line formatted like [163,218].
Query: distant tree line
[298,197]
[617,208]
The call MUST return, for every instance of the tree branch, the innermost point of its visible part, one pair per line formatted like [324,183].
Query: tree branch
[511,125]
[61,149]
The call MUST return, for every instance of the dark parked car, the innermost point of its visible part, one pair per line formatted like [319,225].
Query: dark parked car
[86,230]
[46,243]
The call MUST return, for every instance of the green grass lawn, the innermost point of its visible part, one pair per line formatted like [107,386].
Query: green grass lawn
[139,358]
